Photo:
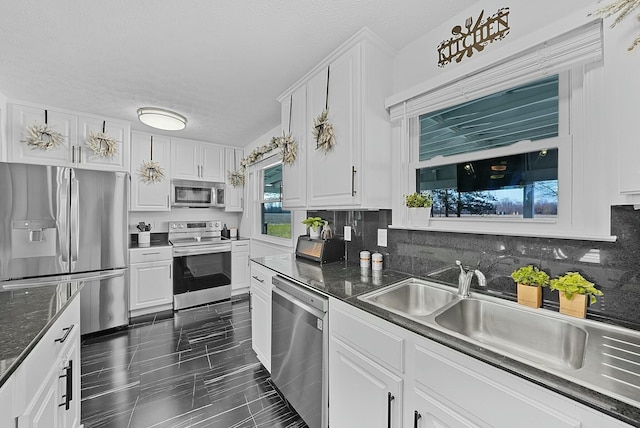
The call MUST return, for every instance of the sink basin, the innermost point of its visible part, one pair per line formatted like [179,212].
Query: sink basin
[548,341]
[412,297]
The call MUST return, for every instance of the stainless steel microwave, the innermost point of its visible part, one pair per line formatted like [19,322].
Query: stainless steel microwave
[197,194]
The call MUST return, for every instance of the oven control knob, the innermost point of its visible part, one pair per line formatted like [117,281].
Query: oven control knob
[181,226]
[173,225]
[210,224]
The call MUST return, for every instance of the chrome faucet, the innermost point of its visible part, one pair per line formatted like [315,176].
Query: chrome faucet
[465,277]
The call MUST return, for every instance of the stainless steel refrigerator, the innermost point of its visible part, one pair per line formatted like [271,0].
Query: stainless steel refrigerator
[62,225]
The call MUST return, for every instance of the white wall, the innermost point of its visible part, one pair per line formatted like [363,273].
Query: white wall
[416,71]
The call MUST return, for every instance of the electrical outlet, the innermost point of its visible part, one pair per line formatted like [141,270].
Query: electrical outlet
[347,233]
[382,237]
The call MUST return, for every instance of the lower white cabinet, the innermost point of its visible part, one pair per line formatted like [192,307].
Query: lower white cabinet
[363,393]
[239,266]
[150,280]
[434,385]
[46,386]
[261,312]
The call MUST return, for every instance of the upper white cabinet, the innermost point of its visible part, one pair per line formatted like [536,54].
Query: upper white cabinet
[118,130]
[233,194]
[21,117]
[150,196]
[294,176]
[356,172]
[75,129]
[195,160]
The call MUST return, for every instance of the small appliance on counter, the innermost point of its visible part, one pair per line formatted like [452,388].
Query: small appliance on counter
[320,250]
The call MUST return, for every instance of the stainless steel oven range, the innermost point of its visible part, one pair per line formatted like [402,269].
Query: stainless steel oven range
[201,263]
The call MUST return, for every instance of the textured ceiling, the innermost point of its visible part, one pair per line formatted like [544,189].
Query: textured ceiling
[221,63]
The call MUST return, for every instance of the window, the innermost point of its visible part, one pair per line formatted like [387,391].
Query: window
[274,220]
[526,112]
[520,185]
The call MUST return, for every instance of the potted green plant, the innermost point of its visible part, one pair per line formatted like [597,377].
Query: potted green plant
[418,208]
[530,280]
[574,289]
[314,224]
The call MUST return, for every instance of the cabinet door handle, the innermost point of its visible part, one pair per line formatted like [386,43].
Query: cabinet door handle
[353,180]
[66,330]
[390,398]
[150,254]
[167,201]
[79,154]
[68,374]
[258,279]
[73,154]
[416,418]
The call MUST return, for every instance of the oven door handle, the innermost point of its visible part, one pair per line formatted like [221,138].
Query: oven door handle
[179,252]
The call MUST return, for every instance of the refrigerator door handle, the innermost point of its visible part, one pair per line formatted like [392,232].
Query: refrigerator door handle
[58,279]
[75,218]
[63,226]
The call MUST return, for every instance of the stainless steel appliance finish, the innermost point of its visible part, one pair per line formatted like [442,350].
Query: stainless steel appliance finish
[201,263]
[196,194]
[299,340]
[58,224]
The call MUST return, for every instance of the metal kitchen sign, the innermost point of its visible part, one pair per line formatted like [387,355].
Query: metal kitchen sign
[474,37]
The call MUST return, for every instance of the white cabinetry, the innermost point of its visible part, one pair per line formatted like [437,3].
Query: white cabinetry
[150,280]
[233,195]
[369,357]
[195,160]
[365,371]
[261,313]
[6,403]
[150,196]
[239,266]
[75,128]
[356,172]
[46,386]
[294,176]
[21,117]
[118,130]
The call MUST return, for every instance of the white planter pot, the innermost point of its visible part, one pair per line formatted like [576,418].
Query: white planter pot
[418,216]
[314,234]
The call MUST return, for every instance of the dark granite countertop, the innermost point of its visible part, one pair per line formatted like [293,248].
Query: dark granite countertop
[343,280]
[25,316]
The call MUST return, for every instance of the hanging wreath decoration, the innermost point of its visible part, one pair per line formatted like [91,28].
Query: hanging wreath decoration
[322,128]
[623,8]
[288,152]
[150,172]
[43,137]
[102,144]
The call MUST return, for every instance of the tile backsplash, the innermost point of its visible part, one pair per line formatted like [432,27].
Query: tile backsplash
[613,266]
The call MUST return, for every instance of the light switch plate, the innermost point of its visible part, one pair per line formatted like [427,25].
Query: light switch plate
[382,237]
[347,233]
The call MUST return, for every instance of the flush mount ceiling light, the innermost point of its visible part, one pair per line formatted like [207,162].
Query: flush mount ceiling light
[162,119]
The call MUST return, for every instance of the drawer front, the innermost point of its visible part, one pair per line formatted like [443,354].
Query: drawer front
[240,246]
[372,336]
[151,254]
[261,277]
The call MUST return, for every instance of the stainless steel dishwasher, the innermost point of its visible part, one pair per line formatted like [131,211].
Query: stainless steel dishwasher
[299,339]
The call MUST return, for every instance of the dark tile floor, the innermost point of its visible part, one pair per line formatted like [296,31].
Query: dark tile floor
[196,369]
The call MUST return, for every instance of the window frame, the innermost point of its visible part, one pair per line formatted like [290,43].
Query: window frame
[256,175]
[584,214]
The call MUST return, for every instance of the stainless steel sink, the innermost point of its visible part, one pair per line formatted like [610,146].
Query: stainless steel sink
[604,357]
[547,341]
[412,297]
